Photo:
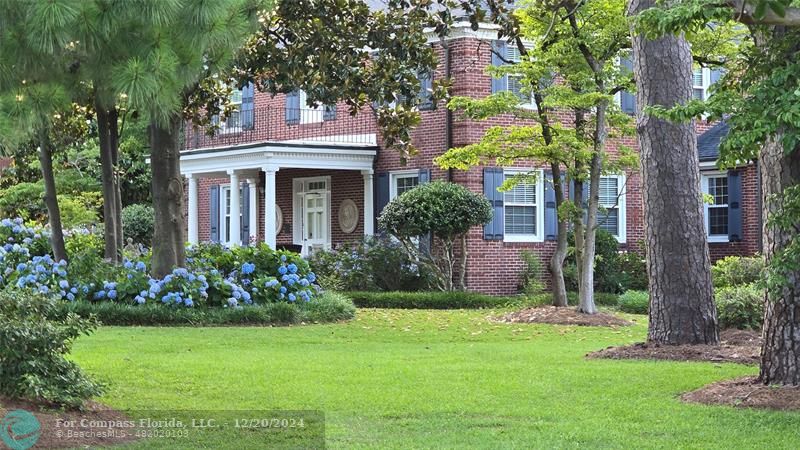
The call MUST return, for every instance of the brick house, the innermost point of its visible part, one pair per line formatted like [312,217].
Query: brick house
[324,177]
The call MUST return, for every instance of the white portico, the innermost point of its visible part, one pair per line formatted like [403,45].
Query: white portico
[253,171]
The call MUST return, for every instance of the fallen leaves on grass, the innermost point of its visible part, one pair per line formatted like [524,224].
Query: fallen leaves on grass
[562,316]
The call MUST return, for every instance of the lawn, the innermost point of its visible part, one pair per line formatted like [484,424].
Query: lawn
[423,379]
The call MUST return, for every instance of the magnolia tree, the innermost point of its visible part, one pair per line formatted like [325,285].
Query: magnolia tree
[431,221]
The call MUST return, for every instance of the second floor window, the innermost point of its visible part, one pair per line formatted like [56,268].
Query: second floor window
[716,186]
[502,54]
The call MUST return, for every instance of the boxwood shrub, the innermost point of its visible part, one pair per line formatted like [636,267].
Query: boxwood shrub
[740,307]
[432,300]
[634,302]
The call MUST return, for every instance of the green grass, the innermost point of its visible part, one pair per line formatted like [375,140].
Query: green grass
[429,379]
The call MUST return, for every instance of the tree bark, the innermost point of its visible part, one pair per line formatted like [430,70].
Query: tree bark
[110,213]
[682,307]
[780,354]
[51,197]
[168,236]
[113,137]
[559,287]
[462,276]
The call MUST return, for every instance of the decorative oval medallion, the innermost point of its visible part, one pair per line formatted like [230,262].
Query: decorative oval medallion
[348,216]
[278,219]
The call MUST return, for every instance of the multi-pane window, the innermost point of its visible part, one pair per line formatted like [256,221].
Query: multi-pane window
[609,219]
[402,182]
[515,81]
[716,186]
[700,83]
[521,208]
[226,212]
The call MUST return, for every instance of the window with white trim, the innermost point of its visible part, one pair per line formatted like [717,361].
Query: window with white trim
[716,213]
[523,211]
[401,182]
[700,83]
[611,215]
[514,82]
[225,212]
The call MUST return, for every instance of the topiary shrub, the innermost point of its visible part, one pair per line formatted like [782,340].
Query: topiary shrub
[445,212]
[138,223]
[634,302]
[34,340]
[737,271]
[740,307]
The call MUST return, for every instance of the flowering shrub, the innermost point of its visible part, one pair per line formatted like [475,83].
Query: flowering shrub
[215,276]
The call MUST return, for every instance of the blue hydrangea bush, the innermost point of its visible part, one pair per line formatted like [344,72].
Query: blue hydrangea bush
[216,276]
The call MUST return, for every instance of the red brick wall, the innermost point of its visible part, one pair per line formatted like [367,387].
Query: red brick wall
[493,267]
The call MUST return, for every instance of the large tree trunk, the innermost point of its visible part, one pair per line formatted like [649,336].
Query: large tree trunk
[168,240]
[780,355]
[51,198]
[559,287]
[682,307]
[111,215]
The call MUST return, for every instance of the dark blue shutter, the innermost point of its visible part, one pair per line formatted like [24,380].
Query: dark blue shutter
[550,210]
[293,108]
[382,192]
[213,212]
[716,75]
[329,112]
[493,179]
[245,213]
[425,242]
[627,100]
[247,112]
[498,53]
[425,87]
[734,206]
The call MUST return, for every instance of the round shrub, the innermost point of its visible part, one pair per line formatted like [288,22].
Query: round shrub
[138,223]
[737,271]
[634,302]
[740,307]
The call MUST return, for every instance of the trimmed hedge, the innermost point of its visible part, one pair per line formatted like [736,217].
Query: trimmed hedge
[330,307]
[432,300]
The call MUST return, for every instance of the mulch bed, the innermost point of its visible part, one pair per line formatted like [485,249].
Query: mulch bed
[51,427]
[736,346]
[562,316]
[746,393]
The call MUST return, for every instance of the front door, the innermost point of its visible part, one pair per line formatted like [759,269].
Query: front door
[315,220]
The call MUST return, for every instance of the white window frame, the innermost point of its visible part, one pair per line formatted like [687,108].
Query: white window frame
[224,128]
[399,174]
[704,185]
[621,206]
[223,211]
[308,113]
[539,235]
[705,81]
[531,104]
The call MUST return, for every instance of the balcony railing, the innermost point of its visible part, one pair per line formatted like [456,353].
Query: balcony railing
[323,125]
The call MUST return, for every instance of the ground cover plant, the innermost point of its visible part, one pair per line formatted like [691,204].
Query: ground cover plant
[423,378]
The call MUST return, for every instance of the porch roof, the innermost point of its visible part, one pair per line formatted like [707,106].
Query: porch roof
[211,162]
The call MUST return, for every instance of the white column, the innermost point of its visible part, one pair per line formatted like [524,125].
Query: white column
[193,212]
[369,206]
[236,211]
[269,205]
[253,208]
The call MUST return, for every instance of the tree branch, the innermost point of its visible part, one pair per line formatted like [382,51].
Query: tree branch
[745,12]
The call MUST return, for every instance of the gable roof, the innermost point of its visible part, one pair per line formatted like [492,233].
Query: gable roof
[708,142]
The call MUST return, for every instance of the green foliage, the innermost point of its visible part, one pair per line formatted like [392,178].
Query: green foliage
[447,210]
[531,282]
[432,300]
[740,306]
[615,271]
[733,271]
[634,302]
[138,223]
[34,341]
[373,264]
[329,307]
